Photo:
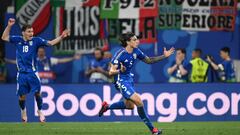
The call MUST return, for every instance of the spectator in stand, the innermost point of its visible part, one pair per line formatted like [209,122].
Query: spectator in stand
[178,70]
[107,55]
[45,65]
[226,68]
[98,68]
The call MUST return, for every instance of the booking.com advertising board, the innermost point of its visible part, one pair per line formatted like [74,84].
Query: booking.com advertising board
[163,103]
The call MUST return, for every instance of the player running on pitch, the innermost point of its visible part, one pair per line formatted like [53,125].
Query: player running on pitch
[121,66]
[26,54]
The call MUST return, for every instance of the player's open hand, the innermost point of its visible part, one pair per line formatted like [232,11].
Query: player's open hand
[65,33]
[11,21]
[122,68]
[169,52]
[208,59]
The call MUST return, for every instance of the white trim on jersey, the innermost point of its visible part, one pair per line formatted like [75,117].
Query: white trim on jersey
[17,64]
[33,67]
[119,54]
[36,73]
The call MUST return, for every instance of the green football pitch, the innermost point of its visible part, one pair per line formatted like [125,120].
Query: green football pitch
[119,128]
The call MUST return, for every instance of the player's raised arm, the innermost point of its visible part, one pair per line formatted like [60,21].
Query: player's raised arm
[166,53]
[64,34]
[5,35]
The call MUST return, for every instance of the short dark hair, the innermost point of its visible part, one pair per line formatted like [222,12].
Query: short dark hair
[226,49]
[126,37]
[41,47]
[99,49]
[182,50]
[26,26]
[198,50]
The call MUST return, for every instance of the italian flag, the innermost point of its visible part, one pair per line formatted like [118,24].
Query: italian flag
[196,18]
[114,9]
[34,12]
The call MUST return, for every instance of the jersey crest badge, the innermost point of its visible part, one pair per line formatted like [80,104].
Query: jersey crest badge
[115,61]
[30,43]
[135,56]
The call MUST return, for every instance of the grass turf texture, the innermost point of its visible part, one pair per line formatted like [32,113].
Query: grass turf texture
[125,128]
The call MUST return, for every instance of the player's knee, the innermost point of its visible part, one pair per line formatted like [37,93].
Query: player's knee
[37,94]
[130,106]
[139,104]
[22,97]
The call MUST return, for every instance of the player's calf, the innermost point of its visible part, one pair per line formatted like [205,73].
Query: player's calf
[24,115]
[41,116]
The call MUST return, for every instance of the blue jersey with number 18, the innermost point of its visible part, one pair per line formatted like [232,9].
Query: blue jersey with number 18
[26,52]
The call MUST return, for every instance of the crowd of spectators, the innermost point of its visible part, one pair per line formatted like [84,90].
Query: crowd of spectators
[196,70]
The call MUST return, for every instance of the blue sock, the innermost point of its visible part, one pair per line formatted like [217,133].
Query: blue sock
[22,104]
[117,105]
[39,102]
[142,114]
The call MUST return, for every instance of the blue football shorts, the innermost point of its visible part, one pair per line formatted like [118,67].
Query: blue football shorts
[28,82]
[126,88]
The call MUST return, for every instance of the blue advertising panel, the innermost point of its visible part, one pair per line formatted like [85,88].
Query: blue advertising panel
[163,103]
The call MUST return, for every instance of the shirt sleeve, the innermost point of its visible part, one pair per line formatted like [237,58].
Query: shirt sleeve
[173,63]
[188,66]
[54,61]
[14,39]
[116,60]
[140,54]
[42,42]
[92,64]
[221,67]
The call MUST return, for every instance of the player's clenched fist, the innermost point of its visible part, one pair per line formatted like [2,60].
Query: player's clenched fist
[11,21]
[65,33]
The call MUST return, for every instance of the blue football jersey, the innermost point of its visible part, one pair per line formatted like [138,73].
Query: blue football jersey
[228,68]
[103,63]
[128,60]
[177,74]
[26,52]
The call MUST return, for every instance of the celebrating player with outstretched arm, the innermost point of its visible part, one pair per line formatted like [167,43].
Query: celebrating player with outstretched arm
[26,54]
[121,66]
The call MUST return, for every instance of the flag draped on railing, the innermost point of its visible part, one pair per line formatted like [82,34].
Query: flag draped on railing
[93,23]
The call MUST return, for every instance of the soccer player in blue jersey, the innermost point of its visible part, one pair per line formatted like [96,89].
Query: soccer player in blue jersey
[26,54]
[121,66]
[226,68]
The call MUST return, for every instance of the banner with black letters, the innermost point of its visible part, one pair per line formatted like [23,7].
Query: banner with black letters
[93,22]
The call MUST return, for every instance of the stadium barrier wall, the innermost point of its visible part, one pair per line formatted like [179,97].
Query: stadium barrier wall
[163,102]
